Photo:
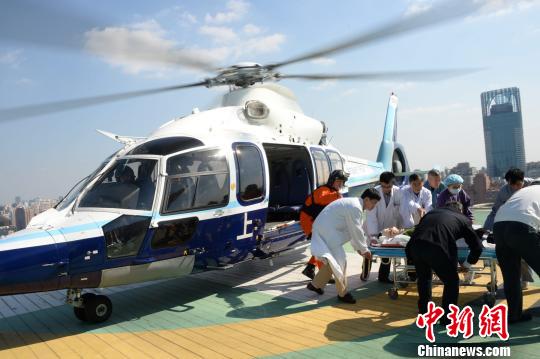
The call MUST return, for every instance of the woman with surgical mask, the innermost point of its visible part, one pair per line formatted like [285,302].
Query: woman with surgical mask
[454,192]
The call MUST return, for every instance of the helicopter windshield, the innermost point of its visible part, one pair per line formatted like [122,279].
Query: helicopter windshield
[79,186]
[130,184]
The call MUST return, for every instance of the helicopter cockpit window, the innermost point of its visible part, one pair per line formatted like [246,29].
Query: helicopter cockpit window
[336,162]
[130,184]
[166,146]
[79,186]
[321,164]
[196,180]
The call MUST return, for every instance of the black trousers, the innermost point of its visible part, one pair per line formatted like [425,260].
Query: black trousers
[514,241]
[429,258]
[384,269]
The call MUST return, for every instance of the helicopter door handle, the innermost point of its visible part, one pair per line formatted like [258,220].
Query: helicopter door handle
[57,264]
[218,213]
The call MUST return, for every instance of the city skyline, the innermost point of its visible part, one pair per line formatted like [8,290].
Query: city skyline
[49,154]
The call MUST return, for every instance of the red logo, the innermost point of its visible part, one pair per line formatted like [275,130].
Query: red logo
[429,319]
[494,321]
[460,322]
[491,321]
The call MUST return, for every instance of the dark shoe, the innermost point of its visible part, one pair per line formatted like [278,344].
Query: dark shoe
[316,290]
[332,281]
[347,298]
[525,317]
[309,271]
[386,280]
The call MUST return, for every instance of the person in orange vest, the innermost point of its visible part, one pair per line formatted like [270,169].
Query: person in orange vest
[314,204]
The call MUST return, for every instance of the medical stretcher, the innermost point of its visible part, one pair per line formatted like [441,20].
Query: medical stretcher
[400,269]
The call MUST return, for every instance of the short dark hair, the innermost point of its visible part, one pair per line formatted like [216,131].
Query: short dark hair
[514,175]
[386,177]
[434,172]
[414,177]
[454,205]
[371,193]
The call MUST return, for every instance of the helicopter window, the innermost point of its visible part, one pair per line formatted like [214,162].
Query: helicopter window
[174,233]
[130,184]
[250,173]
[336,162]
[321,163]
[197,180]
[165,146]
[124,235]
[79,186]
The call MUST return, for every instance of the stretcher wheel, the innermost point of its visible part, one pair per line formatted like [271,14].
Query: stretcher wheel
[393,293]
[488,286]
[489,299]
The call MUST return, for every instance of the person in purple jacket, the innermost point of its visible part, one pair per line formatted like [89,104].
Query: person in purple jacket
[454,192]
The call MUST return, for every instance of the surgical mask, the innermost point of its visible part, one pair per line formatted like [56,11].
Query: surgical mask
[454,190]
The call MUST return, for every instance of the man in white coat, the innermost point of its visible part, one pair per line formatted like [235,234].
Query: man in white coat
[415,202]
[385,215]
[339,223]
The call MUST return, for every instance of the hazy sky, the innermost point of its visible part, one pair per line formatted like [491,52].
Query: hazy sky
[440,123]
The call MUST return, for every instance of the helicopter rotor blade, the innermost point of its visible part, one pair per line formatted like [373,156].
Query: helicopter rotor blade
[417,75]
[58,25]
[437,14]
[15,113]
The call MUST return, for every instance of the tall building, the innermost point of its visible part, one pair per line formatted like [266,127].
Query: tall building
[503,130]
[21,218]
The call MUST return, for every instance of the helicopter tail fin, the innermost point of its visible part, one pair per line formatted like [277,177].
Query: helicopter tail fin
[391,154]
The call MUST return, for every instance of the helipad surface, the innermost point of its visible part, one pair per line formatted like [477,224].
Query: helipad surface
[254,310]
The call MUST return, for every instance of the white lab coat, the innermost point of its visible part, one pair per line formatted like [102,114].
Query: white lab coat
[338,223]
[410,203]
[383,216]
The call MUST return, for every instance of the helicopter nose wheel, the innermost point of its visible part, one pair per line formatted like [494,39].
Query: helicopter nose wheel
[90,307]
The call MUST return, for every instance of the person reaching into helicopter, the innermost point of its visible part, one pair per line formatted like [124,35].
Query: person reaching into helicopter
[314,204]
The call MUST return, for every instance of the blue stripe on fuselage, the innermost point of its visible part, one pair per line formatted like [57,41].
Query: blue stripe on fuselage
[218,237]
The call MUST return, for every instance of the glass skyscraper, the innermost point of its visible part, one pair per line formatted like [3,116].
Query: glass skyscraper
[503,130]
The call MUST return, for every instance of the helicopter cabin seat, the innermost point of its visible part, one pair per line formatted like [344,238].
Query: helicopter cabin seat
[289,192]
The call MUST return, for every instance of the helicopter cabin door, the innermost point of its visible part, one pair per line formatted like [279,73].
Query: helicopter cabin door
[189,224]
[249,192]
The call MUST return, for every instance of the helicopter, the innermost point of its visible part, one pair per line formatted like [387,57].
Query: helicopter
[206,191]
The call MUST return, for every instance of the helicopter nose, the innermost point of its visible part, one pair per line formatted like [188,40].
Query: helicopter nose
[29,262]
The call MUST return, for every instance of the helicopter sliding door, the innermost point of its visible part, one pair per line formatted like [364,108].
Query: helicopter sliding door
[247,223]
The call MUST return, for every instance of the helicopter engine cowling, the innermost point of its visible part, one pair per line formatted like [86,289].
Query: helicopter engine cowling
[284,118]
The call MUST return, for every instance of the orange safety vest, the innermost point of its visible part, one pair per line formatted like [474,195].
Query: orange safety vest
[314,204]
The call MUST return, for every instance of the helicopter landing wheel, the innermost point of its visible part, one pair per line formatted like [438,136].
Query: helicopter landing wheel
[80,312]
[97,308]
